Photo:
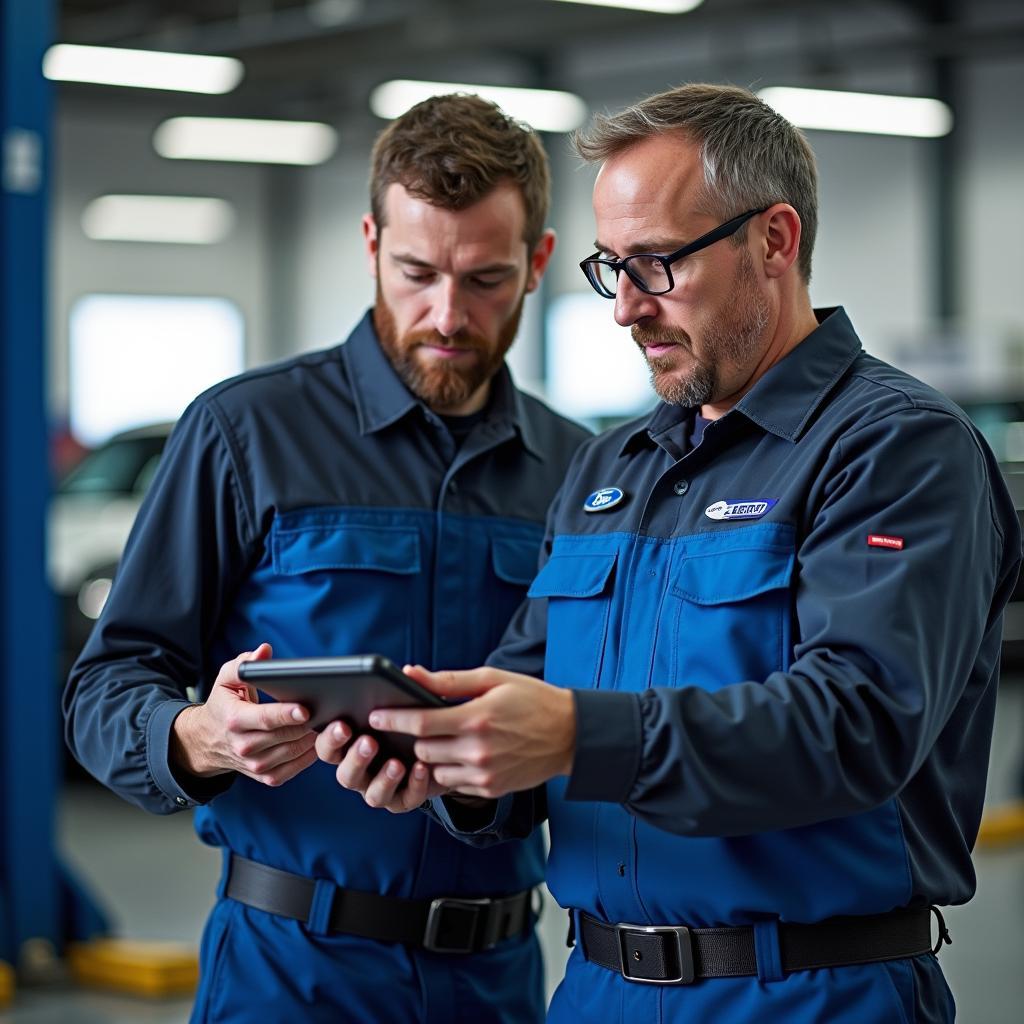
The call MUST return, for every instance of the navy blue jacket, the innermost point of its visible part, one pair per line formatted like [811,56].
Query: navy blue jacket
[785,644]
[316,504]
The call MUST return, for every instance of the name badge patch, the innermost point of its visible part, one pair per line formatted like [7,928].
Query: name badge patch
[748,508]
[881,540]
[604,499]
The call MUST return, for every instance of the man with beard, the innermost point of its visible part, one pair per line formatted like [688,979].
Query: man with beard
[387,495]
[771,612]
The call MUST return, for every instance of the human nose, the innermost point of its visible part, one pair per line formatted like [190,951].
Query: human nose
[449,311]
[632,303]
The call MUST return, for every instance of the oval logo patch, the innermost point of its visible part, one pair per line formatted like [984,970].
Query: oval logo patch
[751,508]
[604,499]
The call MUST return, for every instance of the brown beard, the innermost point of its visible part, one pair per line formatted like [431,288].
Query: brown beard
[442,387]
[734,336]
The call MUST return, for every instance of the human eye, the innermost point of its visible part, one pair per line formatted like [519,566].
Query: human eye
[648,262]
[487,283]
[418,276]
[650,268]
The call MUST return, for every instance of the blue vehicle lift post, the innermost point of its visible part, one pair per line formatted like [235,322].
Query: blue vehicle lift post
[37,898]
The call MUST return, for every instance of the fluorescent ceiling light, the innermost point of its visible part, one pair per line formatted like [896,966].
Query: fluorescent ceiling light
[830,110]
[546,110]
[142,69]
[246,140]
[658,6]
[184,219]
[331,13]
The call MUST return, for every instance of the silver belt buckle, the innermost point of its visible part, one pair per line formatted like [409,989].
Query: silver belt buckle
[683,947]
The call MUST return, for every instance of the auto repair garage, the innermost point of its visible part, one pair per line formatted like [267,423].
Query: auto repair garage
[189,196]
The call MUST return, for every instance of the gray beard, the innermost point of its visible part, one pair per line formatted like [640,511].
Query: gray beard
[735,340]
[698,388]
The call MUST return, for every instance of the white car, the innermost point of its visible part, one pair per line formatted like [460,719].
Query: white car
[90,517]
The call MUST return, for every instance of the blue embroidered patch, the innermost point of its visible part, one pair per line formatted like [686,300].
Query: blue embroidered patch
[604,499]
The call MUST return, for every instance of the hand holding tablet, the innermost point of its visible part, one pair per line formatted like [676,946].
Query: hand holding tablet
[346,688]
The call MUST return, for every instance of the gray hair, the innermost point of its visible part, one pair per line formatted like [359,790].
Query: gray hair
[752,156]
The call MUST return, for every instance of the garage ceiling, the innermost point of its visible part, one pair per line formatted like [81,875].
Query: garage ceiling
[321,58]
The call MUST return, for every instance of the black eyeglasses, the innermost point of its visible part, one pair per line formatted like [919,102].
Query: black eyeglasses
[649,272]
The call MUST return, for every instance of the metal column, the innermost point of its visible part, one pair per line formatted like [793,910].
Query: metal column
[28,708]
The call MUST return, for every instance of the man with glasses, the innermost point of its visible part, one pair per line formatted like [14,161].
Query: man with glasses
[387,495]
[770,612]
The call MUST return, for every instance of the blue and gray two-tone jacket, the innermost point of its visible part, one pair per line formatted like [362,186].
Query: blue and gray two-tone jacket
[785,644]
[317,505]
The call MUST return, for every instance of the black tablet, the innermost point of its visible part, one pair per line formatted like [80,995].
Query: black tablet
[346,688]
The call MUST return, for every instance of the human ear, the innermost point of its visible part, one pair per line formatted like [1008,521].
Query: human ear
[370,238]
[539,259]
[781,241]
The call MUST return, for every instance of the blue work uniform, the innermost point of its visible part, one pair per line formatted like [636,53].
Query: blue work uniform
[785,644]
[318,505]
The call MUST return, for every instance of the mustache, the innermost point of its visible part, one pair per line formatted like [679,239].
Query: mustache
[460,340]
[645,335]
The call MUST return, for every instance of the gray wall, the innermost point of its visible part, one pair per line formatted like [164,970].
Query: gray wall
[992,216]
[96,154]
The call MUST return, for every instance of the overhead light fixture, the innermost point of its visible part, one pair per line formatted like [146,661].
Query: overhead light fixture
[832,110]
[142,69]
[546,110]
[331,13]
[189,220]
[246,140]
[657,6]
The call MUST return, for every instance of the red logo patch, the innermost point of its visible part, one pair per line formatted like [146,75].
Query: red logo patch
[879,540]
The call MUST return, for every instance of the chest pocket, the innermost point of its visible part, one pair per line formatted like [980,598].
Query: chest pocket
[513,565]
[577,586]
[348,588]
[732,608]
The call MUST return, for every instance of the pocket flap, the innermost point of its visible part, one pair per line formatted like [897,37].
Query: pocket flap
[733,575]
[515,561]
[573,575]
[392,549]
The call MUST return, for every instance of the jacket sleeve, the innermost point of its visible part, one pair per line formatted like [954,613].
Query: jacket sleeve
[188,549]
[513,816]
[888,641]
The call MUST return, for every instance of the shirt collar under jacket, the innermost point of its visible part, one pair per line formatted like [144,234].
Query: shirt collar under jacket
[382,399]
[783,401]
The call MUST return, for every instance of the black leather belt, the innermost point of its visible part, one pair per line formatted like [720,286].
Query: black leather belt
[443,925]
[676,955]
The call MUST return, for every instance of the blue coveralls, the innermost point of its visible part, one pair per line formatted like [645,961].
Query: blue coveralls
[779,719]
[317,505]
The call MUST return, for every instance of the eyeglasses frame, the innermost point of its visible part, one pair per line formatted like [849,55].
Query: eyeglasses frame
[729,227]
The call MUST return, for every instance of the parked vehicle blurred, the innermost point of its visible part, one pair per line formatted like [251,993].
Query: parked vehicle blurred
[1000,417]
[90,517]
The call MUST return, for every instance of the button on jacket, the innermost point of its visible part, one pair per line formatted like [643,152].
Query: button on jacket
[309,504]
[786,645]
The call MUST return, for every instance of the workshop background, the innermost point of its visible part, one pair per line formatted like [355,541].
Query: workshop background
[138,266]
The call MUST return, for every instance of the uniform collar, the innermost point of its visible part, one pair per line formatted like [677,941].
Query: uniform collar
[382,399]
[786,397]
[379,394]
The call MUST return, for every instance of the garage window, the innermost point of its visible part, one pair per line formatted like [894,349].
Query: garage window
[138,359]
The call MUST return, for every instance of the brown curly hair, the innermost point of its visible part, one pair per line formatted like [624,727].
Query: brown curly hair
[453,150]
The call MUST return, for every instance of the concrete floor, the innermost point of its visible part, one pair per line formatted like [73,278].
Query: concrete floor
[119,851]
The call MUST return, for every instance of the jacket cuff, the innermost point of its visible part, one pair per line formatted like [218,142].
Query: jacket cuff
[182,789]
[609,741]
[462,820]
